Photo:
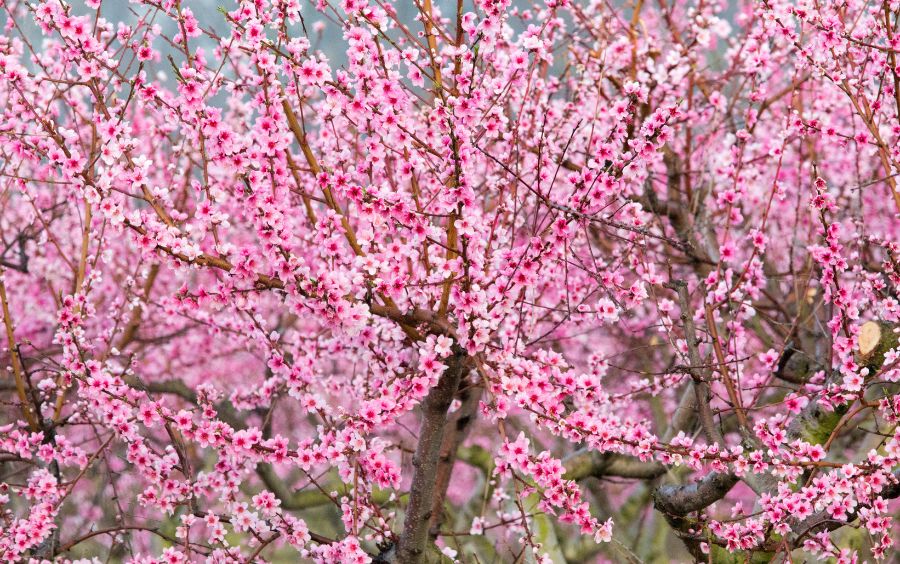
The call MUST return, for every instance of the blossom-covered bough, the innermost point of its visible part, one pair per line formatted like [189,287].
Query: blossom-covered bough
[496,282]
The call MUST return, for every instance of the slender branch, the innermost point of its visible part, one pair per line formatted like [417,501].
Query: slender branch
[733,394]
[18,374]
[701,385]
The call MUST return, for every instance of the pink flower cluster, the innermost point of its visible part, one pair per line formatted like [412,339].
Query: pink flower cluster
[369,281]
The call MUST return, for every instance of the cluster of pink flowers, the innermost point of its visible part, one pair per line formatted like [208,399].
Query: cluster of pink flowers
[364,281]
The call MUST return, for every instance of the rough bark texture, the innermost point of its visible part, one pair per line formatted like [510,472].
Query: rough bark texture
[411,548]
[676,502]
[456,431]
[681,500]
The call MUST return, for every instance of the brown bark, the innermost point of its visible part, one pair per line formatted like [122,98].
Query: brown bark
[411,547]
[456,431]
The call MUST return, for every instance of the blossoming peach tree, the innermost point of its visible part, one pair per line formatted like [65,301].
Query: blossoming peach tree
[497,282]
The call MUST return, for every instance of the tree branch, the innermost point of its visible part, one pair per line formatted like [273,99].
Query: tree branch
[411,548]
[678,501]
[457,429]
[701,385]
